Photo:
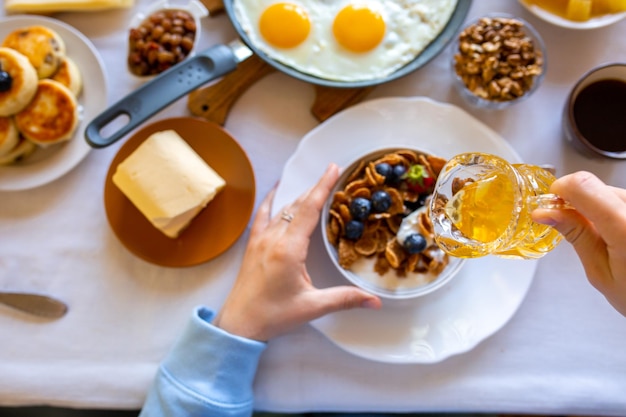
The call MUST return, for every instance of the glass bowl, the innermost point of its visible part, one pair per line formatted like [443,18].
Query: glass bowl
[498,60]
[170,41]
[391,285]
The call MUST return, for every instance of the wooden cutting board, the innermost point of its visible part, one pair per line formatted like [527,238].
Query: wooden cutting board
[215,101]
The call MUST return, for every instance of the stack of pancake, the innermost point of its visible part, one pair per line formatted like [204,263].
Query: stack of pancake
[39,86]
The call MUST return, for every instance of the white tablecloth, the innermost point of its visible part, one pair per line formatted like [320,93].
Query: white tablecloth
[563,352]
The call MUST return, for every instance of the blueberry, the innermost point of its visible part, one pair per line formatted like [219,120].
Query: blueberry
[354,229]
[5,81]
[381,201]
[384,169]
[413,205]
[419,203]
[415,243]
[397,173]
[360,208]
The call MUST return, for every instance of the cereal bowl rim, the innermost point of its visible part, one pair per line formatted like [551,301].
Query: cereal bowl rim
[450,271]
[482,103]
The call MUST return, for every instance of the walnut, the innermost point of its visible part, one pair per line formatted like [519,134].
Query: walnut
[497,60]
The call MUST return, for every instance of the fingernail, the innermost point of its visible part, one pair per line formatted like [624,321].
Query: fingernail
[370,303]
[548,221]
[545,216]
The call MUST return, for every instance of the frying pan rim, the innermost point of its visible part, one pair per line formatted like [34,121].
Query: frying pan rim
[434,48]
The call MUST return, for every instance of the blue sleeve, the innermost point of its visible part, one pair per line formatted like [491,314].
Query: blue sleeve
[208,372]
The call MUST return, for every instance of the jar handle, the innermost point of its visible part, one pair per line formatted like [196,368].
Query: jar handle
[550,201]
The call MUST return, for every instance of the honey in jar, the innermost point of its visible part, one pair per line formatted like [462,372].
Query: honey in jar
[482,205]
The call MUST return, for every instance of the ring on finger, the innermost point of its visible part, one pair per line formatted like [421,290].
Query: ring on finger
[286,216]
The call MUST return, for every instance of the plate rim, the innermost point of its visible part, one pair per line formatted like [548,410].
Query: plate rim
[165,121]
[593,23]
[65,165]
[322,325]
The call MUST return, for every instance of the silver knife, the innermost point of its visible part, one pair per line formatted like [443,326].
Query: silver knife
[36,304]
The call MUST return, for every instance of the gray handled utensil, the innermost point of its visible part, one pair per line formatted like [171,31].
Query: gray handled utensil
[36,304]
[164,89]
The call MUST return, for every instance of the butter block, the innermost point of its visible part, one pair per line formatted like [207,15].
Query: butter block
[167,181]
[48,6]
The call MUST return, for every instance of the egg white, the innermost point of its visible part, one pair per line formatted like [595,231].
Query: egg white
[410,26]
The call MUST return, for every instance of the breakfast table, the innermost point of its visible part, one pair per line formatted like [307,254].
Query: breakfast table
[558,348]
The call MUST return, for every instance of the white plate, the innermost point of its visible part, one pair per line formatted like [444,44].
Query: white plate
[593,23]
[46,165]
[452,320]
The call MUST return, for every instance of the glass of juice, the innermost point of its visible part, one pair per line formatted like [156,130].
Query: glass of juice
[482,205]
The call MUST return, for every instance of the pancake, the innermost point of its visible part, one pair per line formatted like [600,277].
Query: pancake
[22,150]
[9,135]
[22,85]
[69,75]
[43,47]
[51,117]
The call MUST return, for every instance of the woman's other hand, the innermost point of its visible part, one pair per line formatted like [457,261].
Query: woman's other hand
[273,292]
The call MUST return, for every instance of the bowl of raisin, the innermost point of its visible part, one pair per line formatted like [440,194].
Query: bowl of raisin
[163,35]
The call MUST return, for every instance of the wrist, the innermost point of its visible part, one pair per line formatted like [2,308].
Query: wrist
[237,326]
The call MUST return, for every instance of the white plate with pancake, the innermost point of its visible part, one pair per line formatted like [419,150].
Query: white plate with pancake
[482,297]
[48,164]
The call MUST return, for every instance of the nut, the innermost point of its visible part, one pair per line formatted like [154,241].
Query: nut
[496,60]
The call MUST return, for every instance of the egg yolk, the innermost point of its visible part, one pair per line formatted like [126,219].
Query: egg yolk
[284,25]
[358,28]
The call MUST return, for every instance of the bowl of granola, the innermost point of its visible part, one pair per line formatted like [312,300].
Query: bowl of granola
[498,60]
[376,226]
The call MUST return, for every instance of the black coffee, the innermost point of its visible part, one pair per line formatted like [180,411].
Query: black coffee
[600,114]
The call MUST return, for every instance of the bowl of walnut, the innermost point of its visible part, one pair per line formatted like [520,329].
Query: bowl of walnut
[376,226]
[498,60]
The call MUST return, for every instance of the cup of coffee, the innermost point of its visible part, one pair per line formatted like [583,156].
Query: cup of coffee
[594,116]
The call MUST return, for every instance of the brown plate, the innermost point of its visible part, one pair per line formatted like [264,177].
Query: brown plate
[216,227]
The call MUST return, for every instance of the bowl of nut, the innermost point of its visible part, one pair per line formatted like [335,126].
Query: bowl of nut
[498,60]
[376,226]
[163,35]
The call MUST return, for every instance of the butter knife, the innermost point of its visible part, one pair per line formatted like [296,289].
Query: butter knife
[36,304]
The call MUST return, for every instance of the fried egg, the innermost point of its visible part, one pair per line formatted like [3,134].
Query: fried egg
[343,40]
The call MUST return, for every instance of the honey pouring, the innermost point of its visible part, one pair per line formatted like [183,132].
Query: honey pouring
[482,205]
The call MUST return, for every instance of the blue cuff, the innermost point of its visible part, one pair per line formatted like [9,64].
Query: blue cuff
[208,371]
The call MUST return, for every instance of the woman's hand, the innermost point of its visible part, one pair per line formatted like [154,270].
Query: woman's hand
[273,292]
[596,229]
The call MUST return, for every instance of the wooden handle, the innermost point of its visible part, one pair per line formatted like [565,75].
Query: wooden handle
[213,6]
[329,101]
[215,101]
